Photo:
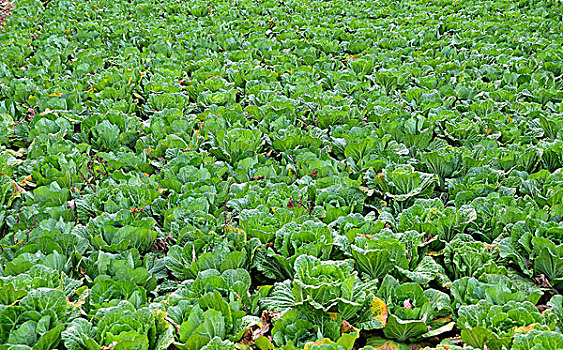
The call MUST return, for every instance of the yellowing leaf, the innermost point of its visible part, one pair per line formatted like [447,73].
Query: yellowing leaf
[333,315]
[389,345]
[26,182]
[526,329]
[17,188]
[318,342]
[379,310]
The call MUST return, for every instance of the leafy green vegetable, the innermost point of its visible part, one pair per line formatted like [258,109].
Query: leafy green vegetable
[333,174]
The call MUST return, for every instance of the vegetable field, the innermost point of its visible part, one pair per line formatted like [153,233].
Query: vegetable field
[281,174]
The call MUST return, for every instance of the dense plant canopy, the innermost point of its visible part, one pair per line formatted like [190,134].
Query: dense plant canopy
[281,174]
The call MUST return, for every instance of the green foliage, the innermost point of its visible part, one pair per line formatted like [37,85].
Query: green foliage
[288,175]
